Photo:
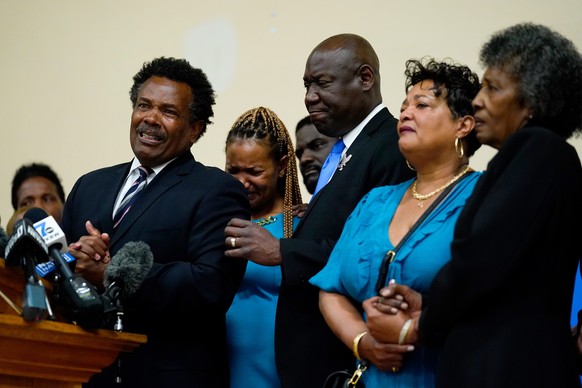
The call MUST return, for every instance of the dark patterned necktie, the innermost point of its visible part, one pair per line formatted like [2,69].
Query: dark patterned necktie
[131,194]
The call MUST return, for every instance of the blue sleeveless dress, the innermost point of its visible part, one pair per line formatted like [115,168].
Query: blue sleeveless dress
[250,322]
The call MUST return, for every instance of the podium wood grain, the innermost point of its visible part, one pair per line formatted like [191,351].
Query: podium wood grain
[48,354]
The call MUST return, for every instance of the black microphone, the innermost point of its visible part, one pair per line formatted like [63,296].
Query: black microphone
[26,248]
[129,267]
[125,273]
[3,242]
[85,302]
[24,243]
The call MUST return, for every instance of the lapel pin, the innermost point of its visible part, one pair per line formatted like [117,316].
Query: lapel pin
[345,159]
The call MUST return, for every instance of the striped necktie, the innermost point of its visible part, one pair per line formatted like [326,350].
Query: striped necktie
[330,165]
[132,194]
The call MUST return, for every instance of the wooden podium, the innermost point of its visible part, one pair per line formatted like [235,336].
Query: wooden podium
[49,354]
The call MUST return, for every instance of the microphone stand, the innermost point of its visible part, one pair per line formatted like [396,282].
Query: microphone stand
[112,301]
[35,303]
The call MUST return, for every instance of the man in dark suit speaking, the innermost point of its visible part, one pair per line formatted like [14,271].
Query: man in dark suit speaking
[343,98]
[177,206]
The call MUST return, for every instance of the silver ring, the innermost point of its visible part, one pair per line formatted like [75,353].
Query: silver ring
[233,242]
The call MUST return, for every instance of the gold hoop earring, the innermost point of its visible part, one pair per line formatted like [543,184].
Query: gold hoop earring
[459,147]
[409,166]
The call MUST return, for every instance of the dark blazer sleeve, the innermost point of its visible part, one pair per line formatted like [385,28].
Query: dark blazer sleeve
[519,215]
[201,277]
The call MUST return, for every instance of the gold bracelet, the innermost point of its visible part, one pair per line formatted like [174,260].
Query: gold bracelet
[357,342]
[404,331]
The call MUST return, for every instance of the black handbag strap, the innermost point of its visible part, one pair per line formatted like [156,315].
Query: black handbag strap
[389,257]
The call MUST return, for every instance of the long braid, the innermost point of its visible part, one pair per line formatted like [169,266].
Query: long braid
[263,123]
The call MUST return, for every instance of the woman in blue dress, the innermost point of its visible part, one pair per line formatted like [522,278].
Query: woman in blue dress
[436,137]
[259,153]
[500,308]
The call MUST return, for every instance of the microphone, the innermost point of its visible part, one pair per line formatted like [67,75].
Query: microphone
[129,267]
[47,270]
[125,273]
[25,242]
[25,248]
[3,242]
[52,235]
[85,302]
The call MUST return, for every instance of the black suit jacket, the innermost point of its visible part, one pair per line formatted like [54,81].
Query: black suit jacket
[181,305]
[501,306]
[306,350]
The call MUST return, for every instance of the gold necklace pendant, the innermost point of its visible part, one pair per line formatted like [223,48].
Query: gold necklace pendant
[422,197]
[266,221]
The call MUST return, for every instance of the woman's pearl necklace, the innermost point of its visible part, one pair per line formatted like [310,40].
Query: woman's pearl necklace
[422,197]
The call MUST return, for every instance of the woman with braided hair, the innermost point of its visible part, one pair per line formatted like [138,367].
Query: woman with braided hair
[260,154]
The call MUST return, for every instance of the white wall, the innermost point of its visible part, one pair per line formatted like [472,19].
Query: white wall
[66,65]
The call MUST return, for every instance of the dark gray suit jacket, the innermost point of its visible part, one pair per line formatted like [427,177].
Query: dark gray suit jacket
[306,349]
[181,305]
